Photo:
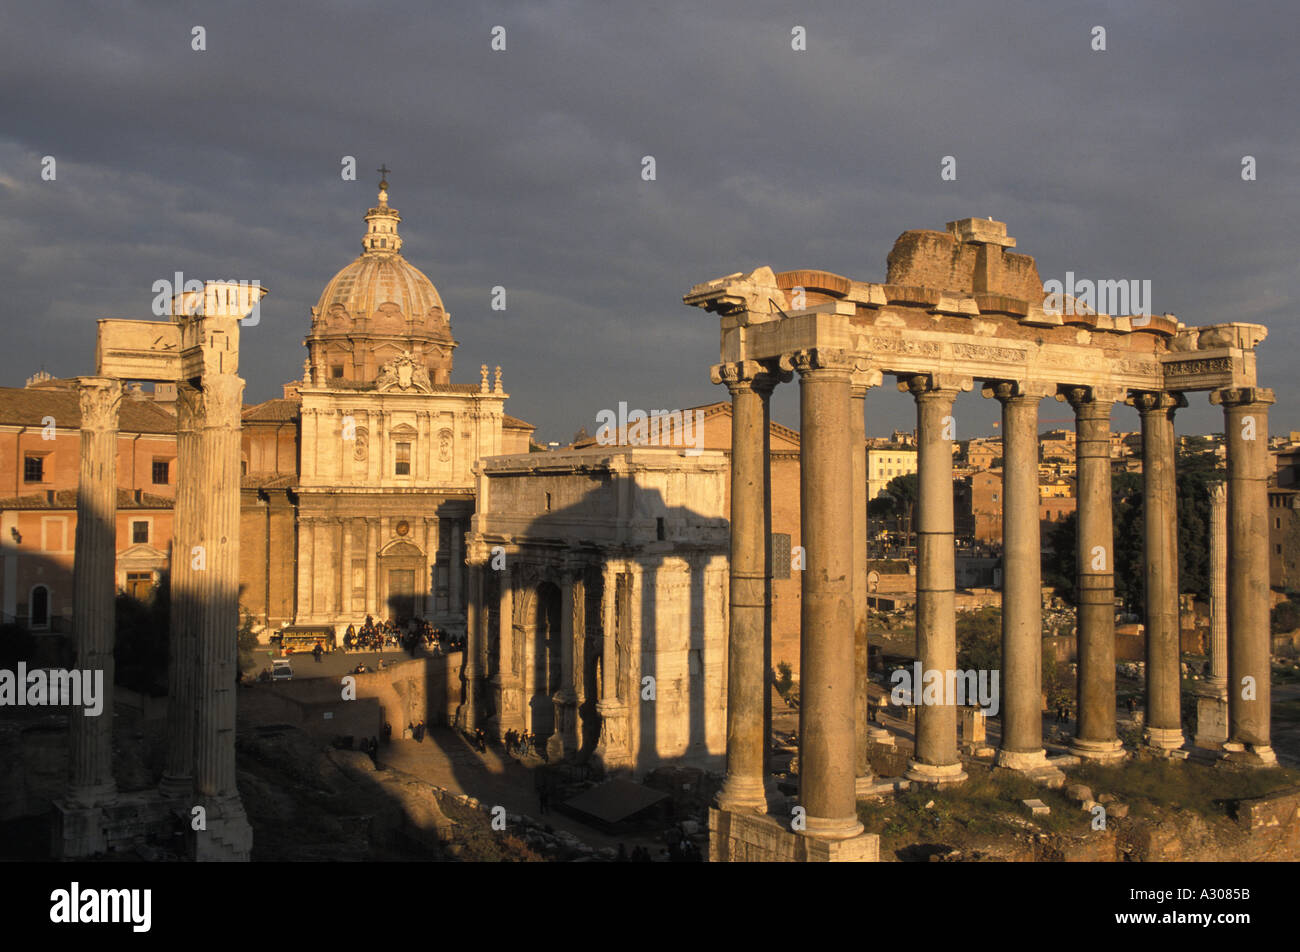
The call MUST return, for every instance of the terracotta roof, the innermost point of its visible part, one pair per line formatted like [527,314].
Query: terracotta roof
[277,410]
[28,406]
[514,423]
[67,499]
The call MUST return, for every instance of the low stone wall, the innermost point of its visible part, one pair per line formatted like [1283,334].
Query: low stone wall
[751,838]
[405,692]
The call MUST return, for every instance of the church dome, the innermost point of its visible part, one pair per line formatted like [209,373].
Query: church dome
[376,309]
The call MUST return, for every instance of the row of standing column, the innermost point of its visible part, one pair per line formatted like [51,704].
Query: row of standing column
[833,707]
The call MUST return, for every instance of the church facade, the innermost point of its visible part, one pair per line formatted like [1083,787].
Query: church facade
[358,484]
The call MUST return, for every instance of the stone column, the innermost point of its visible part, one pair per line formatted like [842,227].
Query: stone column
[178,775]
[343,603]
[90,739]
[1219,587]
[613,711]
[511,714]
[1022,600]
[1160,534]
[1245,420]
[372,568]
[827,759]
[935,758]
[468,713]
[861,721]
[228,835]
[751,387]
[1095,736]
[456,546]
[430,567]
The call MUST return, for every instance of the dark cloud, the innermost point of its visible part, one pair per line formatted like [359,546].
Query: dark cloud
[522,168]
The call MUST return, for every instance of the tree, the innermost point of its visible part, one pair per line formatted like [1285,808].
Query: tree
[905,490]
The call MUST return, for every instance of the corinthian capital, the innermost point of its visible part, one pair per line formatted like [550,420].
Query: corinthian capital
[100,398]
[1152,401]
[743,375]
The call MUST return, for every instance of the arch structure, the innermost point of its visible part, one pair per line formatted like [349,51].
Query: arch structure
[596,609]
[959,307]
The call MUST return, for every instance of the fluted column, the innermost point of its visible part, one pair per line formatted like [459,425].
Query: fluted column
[1160,534]
[1245,419]
[1022,611]
[935,758]
[751,387]
[1218,678]
[343,601]
[90,739]
[826,710]
[1095,736]
[613,710]
[178,775]
[218,586]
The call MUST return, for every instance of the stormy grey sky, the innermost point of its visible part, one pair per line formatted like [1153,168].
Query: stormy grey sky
[522,168]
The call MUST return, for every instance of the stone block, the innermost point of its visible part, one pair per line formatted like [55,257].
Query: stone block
[751,837]
[1037,807]
[1078,791]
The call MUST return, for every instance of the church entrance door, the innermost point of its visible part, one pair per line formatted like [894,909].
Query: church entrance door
[401,594]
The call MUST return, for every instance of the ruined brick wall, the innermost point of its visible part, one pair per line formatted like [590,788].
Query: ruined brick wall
[936,259]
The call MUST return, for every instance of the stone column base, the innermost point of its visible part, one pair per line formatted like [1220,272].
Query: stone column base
[228,837]
[759,838]
[937,775]
[864,785]
[742,795]
[878,735]
[831,828]
[1021,760]
[77,831]
[1101,751]
[1163,738]
[1252,755]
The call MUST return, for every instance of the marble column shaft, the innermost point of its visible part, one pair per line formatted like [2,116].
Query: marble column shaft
[1022,614]
[1218,678]
[90,740]
[1160,535]
[1245,417]
[935,757]
[827,680]
[744,783]
[182,670]
[1095,735]
[861,720]
[474,622]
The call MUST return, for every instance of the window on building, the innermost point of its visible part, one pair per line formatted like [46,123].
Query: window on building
[1277,522]
[1277,549]
[403,459]
[33,468]
[38,611]
[139,532]
[336,371]
[995,497]
[161,472]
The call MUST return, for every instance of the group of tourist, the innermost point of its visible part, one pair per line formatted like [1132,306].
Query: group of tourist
[377,636]
[522,743]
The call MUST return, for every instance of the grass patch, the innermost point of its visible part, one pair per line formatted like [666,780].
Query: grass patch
[1181,785]
[988,803]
